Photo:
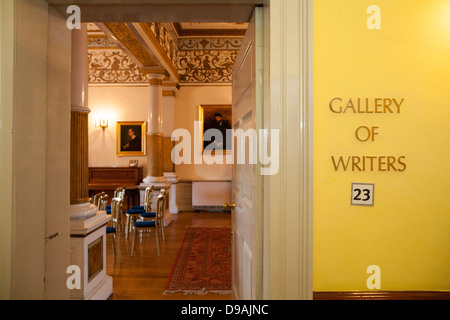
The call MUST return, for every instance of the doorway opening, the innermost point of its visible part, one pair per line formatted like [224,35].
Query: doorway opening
[196,60]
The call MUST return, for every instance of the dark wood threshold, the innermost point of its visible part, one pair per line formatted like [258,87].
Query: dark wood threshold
[382,295]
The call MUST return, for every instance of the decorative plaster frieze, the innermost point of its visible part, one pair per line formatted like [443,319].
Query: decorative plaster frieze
[198,60]
[206,66]
[209,44]
[101,42]
[107,66]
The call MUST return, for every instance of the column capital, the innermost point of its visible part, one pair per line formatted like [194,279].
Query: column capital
[170,89]
[80,109]
[151,73]
[158,76]
[155,79]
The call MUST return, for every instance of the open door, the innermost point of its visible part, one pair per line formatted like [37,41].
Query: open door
[247,217]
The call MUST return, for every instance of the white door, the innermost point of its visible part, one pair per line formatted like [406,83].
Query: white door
[246,190]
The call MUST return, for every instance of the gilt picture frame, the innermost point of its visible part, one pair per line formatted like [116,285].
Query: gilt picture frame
[131,138]
[215,117]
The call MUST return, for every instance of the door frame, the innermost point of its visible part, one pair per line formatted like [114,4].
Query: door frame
[288,195]
[288,201]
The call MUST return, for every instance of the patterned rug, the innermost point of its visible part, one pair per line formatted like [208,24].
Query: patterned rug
[203,264]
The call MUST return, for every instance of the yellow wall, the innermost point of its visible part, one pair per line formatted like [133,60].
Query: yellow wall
[407,231]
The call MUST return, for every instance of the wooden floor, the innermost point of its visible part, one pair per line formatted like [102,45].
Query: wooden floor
[144,276]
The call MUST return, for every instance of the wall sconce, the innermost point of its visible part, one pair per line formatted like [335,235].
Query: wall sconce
[101,123]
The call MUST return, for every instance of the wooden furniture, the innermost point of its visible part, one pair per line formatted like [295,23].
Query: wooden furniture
[108,179]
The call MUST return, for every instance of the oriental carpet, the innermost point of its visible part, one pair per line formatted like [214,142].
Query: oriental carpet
[203,264]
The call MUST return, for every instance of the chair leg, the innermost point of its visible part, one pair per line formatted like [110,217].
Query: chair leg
[134,240]
[118,250]
[158,249]
[127,226]
[113,244]
[162,231]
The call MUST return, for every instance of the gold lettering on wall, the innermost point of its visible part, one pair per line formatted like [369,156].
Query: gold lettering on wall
[369,163]
[366,105]
[367,133]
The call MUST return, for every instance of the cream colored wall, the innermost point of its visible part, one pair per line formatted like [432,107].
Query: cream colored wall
[57,257]
[186,108]
[33,143]
[117,104]
[131,104]
[29,149]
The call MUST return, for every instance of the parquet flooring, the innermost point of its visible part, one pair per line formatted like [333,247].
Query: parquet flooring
[144,276]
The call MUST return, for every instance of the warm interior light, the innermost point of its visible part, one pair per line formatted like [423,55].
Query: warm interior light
[104,123]
[101,122]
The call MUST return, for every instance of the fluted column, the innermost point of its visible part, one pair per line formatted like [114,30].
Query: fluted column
[79,175]
[155,138]
[79,165]
[155,173]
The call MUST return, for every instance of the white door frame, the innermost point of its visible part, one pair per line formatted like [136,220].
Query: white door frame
[289,201]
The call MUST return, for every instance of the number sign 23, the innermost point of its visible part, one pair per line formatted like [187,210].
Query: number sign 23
[362,194]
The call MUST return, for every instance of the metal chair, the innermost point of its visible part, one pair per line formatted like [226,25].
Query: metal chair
[102,202]
[141,226]
[116,209]
[118,193]
[135,212]
[97,198]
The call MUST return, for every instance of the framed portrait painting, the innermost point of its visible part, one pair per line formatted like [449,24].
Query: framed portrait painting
[131,138]
[218,117]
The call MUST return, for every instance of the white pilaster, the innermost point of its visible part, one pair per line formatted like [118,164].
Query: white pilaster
[79,99]
[87,224]
[80,70]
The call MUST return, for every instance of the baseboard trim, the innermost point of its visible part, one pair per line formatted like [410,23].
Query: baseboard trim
[381,295]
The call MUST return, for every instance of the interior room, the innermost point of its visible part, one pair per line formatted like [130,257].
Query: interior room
[200,57]
[120,182]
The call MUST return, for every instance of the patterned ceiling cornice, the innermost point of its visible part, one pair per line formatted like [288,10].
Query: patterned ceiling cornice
[165,43]
[101,42]
[206,60]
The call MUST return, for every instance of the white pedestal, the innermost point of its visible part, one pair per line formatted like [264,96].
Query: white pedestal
[156,192]
[88,251]
[82,211]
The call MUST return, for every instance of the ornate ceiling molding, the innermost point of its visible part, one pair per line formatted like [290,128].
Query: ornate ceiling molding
[113,67]
[164,44]
[101,42]
[156,48]
[209,44]
[123,35]
[206,66]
